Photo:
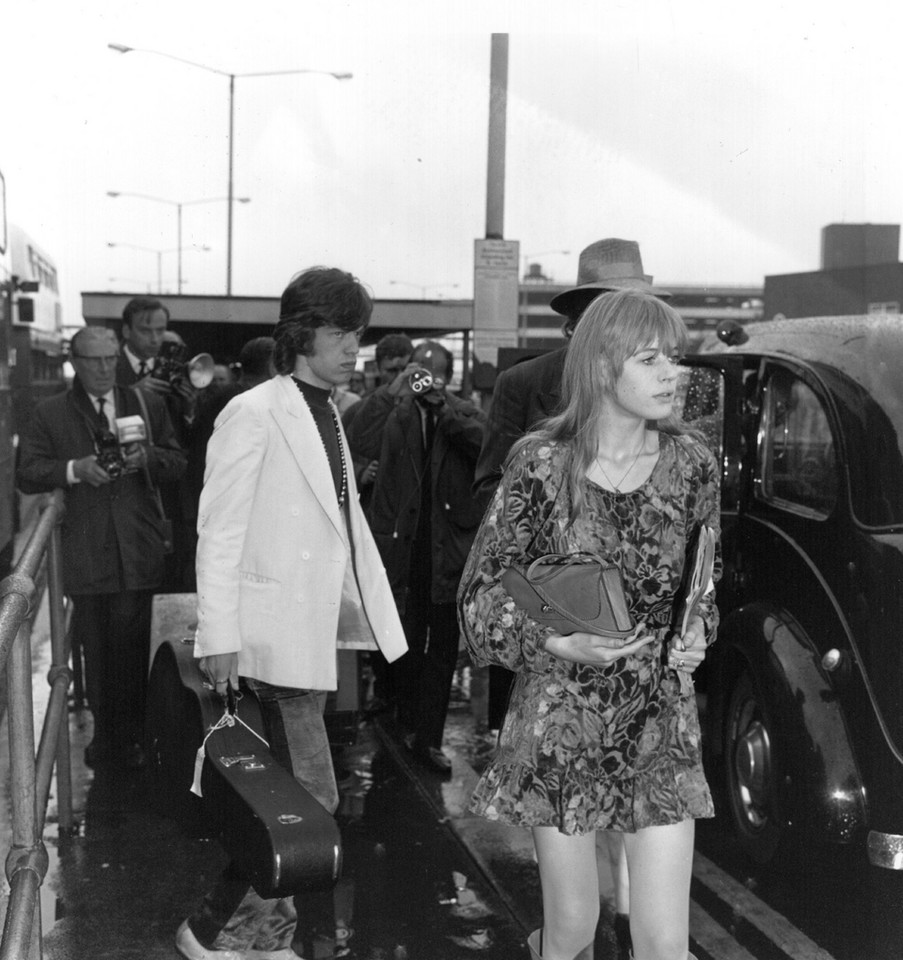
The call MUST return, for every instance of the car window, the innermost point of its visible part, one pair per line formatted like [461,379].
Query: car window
[700,404]
[874,448]
[799,466]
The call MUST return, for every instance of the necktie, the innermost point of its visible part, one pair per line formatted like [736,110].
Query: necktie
[104,420]
[429,433]
[142,368]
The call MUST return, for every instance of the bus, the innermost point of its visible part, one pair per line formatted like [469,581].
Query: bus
[31,354]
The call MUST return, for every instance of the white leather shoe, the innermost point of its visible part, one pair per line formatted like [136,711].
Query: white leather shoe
[188,946]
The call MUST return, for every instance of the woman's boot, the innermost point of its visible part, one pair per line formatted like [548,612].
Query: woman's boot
[534,942]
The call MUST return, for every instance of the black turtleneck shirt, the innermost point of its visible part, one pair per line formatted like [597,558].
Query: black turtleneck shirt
[321,409]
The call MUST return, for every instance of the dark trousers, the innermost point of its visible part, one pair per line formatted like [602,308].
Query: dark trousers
[114,632]
[422,678]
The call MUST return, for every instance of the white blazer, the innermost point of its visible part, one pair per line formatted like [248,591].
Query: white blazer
[273,547]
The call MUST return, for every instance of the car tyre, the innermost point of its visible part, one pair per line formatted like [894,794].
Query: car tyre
[751,776]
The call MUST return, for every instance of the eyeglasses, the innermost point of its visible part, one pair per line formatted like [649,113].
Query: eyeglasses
[109,361]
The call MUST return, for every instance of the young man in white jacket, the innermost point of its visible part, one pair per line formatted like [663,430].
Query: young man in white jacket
[286,566]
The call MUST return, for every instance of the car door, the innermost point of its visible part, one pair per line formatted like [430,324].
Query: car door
[774,718]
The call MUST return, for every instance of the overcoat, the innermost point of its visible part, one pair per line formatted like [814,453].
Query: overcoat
[274,548]
[112,535]
[523,395]
[390,430]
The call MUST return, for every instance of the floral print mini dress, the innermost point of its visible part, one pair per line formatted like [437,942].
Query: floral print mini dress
[588,747]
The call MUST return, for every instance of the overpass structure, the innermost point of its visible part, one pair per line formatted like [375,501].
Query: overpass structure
[220,325]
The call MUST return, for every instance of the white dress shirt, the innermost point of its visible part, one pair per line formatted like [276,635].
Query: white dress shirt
[109,408]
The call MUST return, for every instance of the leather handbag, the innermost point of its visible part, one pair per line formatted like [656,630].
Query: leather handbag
[571,594]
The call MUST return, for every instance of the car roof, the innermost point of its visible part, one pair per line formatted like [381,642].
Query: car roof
[864,347]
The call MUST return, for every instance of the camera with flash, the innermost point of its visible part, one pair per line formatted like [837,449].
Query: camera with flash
[109,444]
[172,365]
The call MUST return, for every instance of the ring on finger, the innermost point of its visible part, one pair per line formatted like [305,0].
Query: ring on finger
[680,664]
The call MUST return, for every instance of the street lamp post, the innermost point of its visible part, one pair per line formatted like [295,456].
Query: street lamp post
[122,48]
[421,287]
[159,253]
[178,204]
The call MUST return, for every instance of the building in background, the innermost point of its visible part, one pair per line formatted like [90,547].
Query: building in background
[36,332]
[860,273]
[701,306]
[221,325]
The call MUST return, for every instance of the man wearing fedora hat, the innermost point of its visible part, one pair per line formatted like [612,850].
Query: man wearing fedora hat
[527,393]
[530,391]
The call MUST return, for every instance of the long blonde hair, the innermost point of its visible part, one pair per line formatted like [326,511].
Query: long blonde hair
[613,327]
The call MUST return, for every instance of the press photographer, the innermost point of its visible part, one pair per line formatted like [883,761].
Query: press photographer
[154,359]
[94,442]
[423,517]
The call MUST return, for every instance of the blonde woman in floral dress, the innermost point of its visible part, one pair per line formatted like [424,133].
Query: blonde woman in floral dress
[602,736]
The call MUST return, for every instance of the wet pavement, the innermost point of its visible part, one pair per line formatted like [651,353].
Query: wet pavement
[410,890]
[422,879]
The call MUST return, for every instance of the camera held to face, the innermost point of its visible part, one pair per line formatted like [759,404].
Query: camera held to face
[172,365]
[420,381]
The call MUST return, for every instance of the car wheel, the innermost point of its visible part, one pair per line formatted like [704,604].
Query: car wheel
[750,773]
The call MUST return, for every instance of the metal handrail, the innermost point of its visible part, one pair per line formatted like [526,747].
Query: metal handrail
[31,775]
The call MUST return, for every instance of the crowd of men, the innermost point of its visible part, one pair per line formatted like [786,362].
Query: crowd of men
[301,509]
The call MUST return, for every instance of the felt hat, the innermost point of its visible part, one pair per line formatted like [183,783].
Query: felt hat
[609,264]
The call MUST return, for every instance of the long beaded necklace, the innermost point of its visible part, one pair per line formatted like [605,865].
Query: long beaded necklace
[617,486]
[343,492]
[343,488]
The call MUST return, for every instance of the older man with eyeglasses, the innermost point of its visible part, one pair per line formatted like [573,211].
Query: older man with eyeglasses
[106,448]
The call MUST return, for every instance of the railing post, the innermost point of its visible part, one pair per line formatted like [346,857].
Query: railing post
[60,665]
[27,852]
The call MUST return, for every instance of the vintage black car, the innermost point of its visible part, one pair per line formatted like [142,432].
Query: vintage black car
[804,687]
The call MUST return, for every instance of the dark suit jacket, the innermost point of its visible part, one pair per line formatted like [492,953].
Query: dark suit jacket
[112,535]
[524,394]
[125,375]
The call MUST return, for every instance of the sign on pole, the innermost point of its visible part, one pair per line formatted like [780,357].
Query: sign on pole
[495,297]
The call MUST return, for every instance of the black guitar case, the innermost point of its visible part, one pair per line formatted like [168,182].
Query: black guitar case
[281,838]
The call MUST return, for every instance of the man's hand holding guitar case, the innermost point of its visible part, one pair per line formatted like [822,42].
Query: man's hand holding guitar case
[281,838]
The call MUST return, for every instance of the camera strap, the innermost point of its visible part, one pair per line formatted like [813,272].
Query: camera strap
[155,490]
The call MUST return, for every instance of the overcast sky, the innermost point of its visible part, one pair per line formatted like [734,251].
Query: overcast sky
[722,141]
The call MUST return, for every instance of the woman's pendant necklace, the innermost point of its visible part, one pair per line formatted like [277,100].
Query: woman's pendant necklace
[616,487]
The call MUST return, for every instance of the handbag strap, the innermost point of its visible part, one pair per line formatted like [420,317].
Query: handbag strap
[536,531]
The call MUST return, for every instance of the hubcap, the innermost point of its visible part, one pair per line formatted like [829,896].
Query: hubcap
[751,770]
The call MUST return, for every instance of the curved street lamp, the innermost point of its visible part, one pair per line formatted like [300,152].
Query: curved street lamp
[159,253]
[122,48]
[178,204]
